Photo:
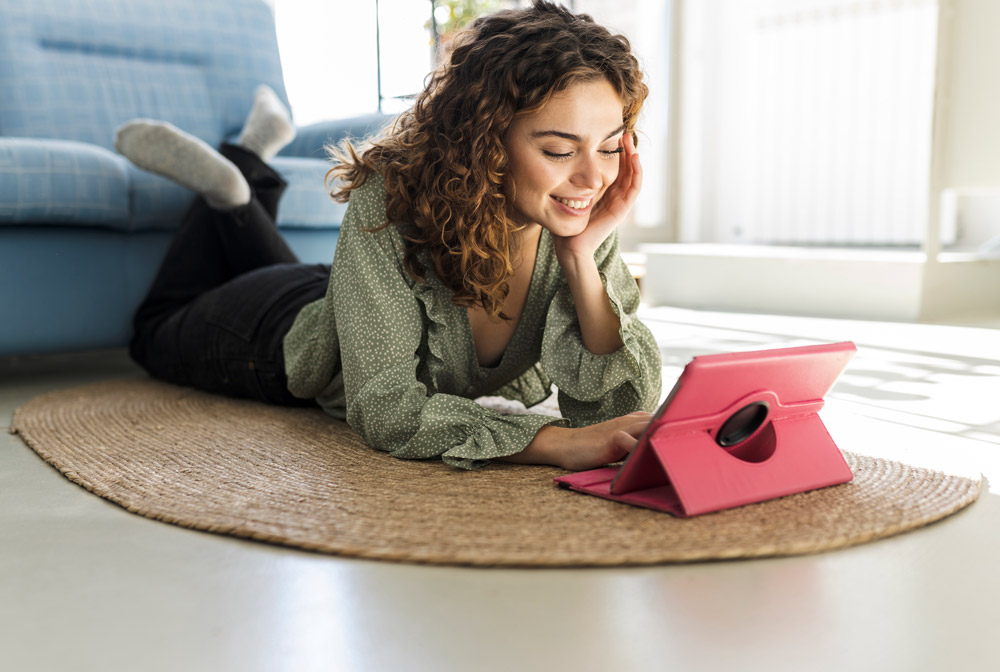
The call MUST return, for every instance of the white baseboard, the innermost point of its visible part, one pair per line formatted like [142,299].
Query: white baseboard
[843,283]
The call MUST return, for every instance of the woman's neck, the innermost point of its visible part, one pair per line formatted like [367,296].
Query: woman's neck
[528,238]
[491,336]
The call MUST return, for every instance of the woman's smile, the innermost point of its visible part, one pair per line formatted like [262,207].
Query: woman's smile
[575,206]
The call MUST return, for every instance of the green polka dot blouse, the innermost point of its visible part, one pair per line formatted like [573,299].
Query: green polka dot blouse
[395,357]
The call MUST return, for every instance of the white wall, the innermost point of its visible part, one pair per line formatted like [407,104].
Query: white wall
[971,135]
[967,156]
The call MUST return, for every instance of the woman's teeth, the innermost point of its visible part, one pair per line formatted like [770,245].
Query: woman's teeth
[576,205]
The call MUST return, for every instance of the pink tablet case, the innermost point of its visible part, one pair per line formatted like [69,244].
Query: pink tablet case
[737,428]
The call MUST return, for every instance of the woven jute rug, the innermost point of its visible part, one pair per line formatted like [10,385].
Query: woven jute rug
[299,478]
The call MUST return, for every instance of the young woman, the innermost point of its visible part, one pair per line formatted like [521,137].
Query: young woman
[478,256]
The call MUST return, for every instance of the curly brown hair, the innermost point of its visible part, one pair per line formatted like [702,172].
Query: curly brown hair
[444,160]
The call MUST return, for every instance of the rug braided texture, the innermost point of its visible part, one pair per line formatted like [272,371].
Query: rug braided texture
[299,478]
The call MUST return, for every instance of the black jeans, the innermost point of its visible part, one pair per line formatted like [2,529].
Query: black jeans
[225,296]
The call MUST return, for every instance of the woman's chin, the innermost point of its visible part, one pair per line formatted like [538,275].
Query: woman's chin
[558,226]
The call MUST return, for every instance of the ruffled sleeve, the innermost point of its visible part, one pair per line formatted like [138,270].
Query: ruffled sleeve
[382,330]
[594,388]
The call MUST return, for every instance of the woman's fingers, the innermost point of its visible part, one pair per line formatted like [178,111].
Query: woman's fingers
[627,434]
[625,162]
[626,168]
[624,441]
[632,171]
[637,428]
[631,428]
[621,196]
[636,185]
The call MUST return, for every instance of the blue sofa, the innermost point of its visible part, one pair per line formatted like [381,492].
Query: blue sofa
[82,231]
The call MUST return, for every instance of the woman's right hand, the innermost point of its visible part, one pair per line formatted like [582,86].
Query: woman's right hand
[583,448]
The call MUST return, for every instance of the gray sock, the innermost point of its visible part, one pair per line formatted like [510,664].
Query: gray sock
[268,127]
[164,149]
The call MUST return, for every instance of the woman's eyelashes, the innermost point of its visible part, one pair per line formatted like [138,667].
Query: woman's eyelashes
[562,156]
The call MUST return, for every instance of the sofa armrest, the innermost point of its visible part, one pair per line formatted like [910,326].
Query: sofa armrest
[49,181]
[310,140]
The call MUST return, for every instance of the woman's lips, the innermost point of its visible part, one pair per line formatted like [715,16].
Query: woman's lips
[575,206]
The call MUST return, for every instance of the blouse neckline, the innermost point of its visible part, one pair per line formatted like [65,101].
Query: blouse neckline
[517,336]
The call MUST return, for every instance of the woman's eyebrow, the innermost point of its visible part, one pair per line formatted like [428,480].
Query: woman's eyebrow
[573,136]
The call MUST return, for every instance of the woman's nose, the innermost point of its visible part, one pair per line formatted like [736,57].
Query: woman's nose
[587,174]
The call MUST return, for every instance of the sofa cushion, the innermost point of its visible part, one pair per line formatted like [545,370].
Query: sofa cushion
[159,204]
[62,182]
[312,140]
[306,203]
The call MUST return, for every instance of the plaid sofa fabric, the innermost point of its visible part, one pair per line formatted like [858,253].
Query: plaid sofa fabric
[72,71]
[77,69]
[62,182]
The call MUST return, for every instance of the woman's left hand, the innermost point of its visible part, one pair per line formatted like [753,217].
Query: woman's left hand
[611,210]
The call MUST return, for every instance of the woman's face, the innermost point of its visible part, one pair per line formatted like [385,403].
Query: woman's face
[562,158]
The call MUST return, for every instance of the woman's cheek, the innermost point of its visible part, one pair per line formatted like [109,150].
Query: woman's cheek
[612,174]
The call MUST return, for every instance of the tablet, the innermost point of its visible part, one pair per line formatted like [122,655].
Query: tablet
[736,428]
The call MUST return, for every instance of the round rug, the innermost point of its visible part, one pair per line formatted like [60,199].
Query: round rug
[300,478]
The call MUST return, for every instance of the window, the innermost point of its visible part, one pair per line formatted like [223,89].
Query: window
[807,121]
[331,54]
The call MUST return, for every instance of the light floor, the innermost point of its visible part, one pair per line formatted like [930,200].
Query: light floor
[85,585]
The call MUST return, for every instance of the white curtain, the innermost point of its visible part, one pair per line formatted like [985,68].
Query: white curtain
[807,121]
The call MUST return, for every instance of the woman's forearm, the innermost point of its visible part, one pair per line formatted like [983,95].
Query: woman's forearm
[543,449]
[599,325]
[588,447]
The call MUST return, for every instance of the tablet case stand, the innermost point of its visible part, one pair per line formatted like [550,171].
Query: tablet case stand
[755,448]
